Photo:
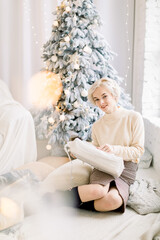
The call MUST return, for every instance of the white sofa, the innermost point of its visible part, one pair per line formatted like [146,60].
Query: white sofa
[17,134]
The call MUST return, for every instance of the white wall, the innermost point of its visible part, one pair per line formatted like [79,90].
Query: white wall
[114,16]
[151,87]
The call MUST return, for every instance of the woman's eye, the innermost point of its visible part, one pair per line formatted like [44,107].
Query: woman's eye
[105,96]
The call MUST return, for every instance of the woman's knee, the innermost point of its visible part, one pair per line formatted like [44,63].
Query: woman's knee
[111,201]
[98,191]
[114,199]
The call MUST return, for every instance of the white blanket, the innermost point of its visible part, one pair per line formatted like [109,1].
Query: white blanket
[66,223]
[144,196]
[17,133]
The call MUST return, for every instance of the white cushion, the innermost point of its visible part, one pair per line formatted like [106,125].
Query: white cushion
[69,175]
[146,159]
[99,159]
[144,196]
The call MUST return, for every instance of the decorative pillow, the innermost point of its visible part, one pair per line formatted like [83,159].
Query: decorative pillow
[146,159]
[15,187]
[101,160]
[144,196]
[69,175]
[39,169]
[11,177]
[54,161]
[11,212]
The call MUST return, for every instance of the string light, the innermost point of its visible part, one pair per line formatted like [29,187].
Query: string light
[128,43]
[28,14]
[27,11]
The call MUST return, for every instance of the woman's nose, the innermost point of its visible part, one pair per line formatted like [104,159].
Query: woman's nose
[101,101]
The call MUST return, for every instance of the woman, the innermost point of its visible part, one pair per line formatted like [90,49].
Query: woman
[121,132]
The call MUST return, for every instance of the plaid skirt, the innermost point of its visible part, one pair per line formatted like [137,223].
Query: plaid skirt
[122,183]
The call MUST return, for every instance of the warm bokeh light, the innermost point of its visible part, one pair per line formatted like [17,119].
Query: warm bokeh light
[45,89]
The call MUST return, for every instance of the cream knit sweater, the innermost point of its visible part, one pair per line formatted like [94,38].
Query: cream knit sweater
[123,130]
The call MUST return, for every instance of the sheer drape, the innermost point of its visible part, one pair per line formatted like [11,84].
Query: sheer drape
[25,25]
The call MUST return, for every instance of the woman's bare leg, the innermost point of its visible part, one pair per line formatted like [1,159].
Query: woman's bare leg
[91,192]
[111,201]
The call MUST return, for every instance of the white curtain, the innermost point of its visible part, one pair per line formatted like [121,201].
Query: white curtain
[25,25]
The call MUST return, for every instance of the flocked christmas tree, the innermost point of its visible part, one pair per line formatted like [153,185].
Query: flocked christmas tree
[80,55]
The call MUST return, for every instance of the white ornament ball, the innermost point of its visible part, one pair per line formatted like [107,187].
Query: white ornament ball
[76,66]
[62,117]
[51,120]
[76,104]
[67,92]
[88,6]
[54,58]
[48,147]
[75,19]
[95,21]
[87,49]
[68,9]
[67,39]
[55,23]
[84,93]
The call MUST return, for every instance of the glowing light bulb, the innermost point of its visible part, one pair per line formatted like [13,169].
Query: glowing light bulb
[48,147]
[68,9]
[51,120]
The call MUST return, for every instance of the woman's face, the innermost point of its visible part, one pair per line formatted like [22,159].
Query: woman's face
[104,99]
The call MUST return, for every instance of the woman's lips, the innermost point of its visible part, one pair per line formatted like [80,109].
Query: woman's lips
[104,106]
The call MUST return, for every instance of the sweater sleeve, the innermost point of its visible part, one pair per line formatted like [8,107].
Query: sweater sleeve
[94,139]
[136,149]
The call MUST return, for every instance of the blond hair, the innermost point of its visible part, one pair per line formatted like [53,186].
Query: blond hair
[109,83]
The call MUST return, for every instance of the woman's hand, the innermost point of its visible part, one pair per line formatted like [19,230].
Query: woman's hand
[72,155]
[105,148]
